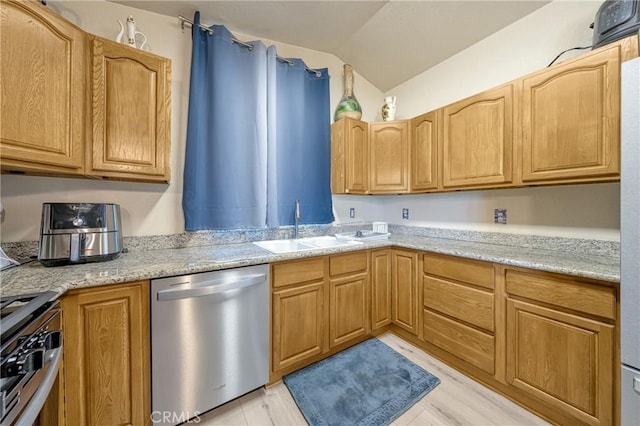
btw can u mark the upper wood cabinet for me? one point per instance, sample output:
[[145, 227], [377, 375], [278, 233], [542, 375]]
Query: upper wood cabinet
[[558, 125], [131, 113], [389, 157], [42, 69], [349, 157], [424, 152], [74, 104], [571, 119], [106, 355], [477, 140]]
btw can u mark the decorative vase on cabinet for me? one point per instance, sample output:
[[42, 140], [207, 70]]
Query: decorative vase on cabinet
[[389, 108], [348, 105]]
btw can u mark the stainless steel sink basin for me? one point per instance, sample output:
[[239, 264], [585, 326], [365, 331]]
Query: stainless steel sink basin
[[302, 244]]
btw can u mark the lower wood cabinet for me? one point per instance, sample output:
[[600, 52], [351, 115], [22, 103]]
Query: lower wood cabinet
[[318, 304], [348, 297], [404, 295], [298, 323], [459, 314], [380, 288], [547, 341], [298, 314], [106, 355], [561, 344]]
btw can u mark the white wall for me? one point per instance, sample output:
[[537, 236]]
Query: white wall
[[588, 211], [147, 209], [525, 46], [581, 211]]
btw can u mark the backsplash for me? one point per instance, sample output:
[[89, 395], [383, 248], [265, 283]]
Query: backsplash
[[575, 245], [25, 251]]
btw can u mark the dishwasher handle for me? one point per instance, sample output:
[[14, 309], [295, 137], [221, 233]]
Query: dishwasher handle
[[210, 288]]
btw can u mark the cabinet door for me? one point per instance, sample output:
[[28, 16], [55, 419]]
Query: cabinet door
[[424, 153], [389, 156], [564, 360], [131, 113], [349, 315], [404, 298], [357, 159], [298, 324], [43, 90], [338, 157], [381, 278], [477, 139], [106, 355], [571, 119]]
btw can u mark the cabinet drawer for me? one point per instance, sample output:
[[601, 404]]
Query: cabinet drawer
[[350, 262], [459, 301], [470, 271], [468, 344], [566, 292], [298, 271]]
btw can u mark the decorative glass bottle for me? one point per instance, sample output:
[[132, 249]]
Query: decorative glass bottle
[[348, 105]]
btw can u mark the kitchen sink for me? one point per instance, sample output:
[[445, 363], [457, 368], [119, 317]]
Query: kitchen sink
[[302, 244]]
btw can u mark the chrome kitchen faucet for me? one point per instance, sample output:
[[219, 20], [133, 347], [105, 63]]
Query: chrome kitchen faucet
[[296, 218]]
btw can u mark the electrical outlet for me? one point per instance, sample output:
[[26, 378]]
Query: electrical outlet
[[352, 213], [500, 216], [405, 213]]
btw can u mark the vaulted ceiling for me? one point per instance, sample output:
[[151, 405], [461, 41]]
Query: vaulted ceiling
[[387, 42]]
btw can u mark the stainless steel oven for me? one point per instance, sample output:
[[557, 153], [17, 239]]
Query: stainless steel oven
[[31, 347]]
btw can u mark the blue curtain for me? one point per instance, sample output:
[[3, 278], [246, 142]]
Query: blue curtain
[[225, 172], [258, 137], [299, 142]]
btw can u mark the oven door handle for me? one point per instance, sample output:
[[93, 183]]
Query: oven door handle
[[31, 412]]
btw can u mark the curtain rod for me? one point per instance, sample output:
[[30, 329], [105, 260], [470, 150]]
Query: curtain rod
[[249, 46]]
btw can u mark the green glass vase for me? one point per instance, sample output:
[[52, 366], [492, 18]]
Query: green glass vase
[[348, 105]]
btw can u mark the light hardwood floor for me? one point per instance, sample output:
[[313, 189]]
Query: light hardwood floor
[[457, 400]]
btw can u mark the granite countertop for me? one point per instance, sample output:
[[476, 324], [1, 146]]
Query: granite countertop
[[148, 264]]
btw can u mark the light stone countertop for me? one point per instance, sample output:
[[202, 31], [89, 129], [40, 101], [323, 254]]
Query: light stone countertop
[[149, 264]]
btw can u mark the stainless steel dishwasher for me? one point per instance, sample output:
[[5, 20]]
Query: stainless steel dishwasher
[[209, 340]]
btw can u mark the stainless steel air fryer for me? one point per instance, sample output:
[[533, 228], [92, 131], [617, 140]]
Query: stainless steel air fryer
[[79, 233]]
